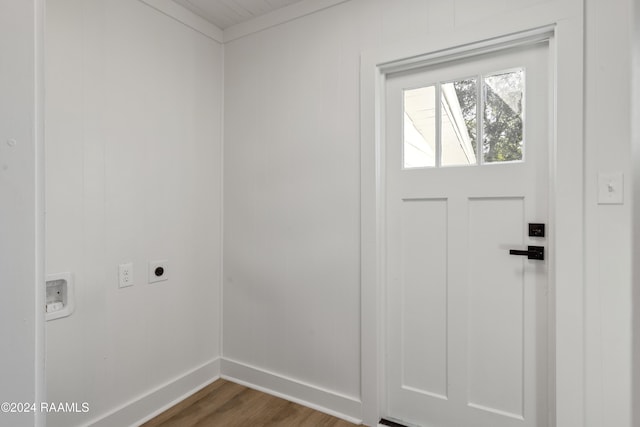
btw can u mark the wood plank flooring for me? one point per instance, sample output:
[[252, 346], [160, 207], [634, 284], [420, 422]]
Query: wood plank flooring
[[227, 404]]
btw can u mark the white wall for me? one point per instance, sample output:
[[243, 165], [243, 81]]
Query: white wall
[[608, 227], [133, 146], [21, 210], [291, 254], [291, 257], [635, 120]]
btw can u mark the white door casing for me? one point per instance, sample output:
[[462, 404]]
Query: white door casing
[[565, 259], [466, 326]]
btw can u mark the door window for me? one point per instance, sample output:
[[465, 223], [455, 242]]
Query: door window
[[485, 107]]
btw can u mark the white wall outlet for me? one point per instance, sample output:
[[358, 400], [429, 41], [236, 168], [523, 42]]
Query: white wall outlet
[[158, 271], [125, 275], [611, 188]]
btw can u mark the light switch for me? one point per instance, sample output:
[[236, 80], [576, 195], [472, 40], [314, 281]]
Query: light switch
[[611, 188]]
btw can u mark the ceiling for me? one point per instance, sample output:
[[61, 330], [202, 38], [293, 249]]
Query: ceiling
[[225, 13]]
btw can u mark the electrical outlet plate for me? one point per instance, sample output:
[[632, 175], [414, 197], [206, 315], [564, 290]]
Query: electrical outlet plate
[[158, 271], [125, 275], [60, 296]]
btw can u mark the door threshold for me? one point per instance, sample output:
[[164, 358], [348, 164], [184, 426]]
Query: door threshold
[[391, 422]]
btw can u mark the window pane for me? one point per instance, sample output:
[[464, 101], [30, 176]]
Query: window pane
[[459, 100], [502, 131], [419, 139]]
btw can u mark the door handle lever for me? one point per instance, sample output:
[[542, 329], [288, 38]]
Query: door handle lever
[[533, 252]]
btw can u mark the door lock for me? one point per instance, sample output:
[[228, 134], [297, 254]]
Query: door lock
[[533, 252], [536, 230]]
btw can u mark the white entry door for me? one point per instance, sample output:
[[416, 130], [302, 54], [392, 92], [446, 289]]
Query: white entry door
[[466, 172]]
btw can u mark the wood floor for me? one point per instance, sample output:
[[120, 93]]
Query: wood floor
[[227, 404]]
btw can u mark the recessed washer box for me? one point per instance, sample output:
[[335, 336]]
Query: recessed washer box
[[60, 296], [158, 271]]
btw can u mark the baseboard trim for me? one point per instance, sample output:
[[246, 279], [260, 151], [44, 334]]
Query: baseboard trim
[[153, 403], [335, 404]]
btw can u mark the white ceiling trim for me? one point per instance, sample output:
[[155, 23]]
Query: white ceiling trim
[[259, 23], [277, 17], [186, 17]]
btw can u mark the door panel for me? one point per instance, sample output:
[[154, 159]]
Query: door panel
[[466, 329], [495, 332], [424, 308]]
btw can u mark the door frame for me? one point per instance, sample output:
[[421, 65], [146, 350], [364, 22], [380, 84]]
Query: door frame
[[566, 202], [23, 128]]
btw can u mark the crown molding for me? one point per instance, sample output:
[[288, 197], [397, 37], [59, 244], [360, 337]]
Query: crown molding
[[277, 17], [186, 17]]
